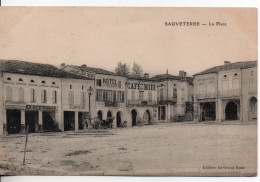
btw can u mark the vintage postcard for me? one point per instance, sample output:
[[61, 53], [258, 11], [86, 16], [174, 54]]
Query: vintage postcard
[[128, 91]]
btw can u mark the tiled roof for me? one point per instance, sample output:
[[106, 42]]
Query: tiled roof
[[96, 70], [140, 78], [231, 66], [164, 77], [29, 68]]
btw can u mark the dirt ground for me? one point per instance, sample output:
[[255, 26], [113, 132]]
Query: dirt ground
[[185, 149]]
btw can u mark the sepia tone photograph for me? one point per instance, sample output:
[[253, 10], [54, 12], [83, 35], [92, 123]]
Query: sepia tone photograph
[[113, 91]]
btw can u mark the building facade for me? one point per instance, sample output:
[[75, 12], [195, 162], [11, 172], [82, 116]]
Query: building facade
[[142, 100], [227, 92], [174, 97]]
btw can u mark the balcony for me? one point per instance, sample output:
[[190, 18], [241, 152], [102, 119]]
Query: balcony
[[167, 100], [206, 96], [111, 103], [230, 93], [142, 102]]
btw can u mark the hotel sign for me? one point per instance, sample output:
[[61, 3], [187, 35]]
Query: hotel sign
[[41, 108], [109, 82]]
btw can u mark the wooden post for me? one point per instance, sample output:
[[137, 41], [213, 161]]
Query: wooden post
[[26, 140]]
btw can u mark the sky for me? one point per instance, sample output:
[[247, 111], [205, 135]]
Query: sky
[[101, 37]]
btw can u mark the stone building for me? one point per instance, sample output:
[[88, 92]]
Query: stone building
[[226, 92], [142, 99], [109, 93], [31, 96], [174, 97]]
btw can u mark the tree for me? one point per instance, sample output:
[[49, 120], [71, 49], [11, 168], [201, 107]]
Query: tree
[[137, 70], [122, 69]]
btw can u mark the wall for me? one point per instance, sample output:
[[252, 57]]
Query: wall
[[249, 90]]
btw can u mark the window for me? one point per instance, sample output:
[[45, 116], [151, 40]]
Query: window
[[141, 95], [174, 84], [235, 74], [174, 93], [53, 83], [252, 73], [70, 86], [99, 95], [119, 84], [235, 83], [21, 95], [44, 96], [9, 78], [83, 98], [32, 95], [133, 95], [182, 95], [121, 96], [98, 82], [150, 95], [32, 81], [71, 97], [225, 76], [8, 93], [161, 113], [82, 88], [43, 82], [54, 96], [20, 80]]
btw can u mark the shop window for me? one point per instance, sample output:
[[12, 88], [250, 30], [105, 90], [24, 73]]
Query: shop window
[[71, 97], [8, 93], [21, 95], [98, 82], [54, 96], [44, 96], [32, 95]]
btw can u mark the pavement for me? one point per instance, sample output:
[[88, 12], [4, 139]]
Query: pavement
[[165, 149]]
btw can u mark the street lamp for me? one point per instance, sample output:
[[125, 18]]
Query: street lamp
[[90, 92]]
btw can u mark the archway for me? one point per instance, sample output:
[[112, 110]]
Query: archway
[[134, 117], [13, 121], [48, 121], [118, 119], [109, 114], [252, 109], [147, 117], [208, 112], [100, 115], [231, 111], [31, 121]]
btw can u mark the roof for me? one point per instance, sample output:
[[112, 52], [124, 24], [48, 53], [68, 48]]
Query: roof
[[164, 77], [236, 65], [29, 68], [140, 78], [96, 70]]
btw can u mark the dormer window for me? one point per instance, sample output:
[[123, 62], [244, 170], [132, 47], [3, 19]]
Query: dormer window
[[9, 78], [43, 82], [32, 81], [20, 80]]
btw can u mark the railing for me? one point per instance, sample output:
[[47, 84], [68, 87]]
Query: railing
[[162, 100], [141, 102], [229, 93], [206, 96], [111, 103]]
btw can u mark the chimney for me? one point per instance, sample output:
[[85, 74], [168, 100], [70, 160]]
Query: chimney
[[83, 67], [182, 73], [167, 72], [62, 65], [226, 63], [146, 75]]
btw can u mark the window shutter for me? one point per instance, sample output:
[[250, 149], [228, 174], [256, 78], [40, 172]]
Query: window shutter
[[123, 96], [42, 96], [53, 96]]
